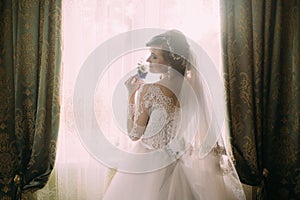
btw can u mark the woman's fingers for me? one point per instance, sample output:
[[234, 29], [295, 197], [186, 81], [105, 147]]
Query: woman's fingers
[[131, 80], [133, 84], [134, 80]]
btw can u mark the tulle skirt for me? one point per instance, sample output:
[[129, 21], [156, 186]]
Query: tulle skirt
[[189, 178]]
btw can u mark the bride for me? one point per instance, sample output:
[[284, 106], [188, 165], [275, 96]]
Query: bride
[[173, 117]]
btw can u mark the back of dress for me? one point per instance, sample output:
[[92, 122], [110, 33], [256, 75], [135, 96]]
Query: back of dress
[[188, 177], [164, 115]]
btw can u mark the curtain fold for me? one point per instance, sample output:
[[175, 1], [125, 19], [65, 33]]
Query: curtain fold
[[30, 58], [261, 54]]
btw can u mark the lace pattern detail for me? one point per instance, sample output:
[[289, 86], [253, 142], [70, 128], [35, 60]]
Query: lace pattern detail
[[162, 115], [226, 166], [136, 131], [131, 109], [162, 125], [156, 122]]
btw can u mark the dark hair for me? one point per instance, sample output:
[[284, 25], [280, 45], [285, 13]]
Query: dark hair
[[175, 48]]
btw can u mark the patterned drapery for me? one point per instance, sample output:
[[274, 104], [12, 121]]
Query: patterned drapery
[[30, 57], [261, 53]]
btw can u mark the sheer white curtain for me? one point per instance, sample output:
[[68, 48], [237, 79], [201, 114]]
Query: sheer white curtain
[[86, 25]]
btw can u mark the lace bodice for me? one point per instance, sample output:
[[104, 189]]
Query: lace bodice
[[156, 105]]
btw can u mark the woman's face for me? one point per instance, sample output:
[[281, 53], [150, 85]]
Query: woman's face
[[157, 62]]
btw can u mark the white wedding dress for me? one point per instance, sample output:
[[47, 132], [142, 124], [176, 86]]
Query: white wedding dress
[[189, 177]]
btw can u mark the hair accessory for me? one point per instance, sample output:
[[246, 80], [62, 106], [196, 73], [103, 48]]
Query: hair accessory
[[172, 54]]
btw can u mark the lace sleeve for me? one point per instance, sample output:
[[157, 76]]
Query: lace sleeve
[[138, 115], [163, 117]]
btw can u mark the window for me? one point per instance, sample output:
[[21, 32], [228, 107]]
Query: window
[[86, 25]]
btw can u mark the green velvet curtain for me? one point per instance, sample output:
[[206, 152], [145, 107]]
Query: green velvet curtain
[[261, 54], [30, 59]]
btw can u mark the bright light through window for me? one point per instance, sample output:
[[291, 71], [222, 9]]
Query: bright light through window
[[86, 25]]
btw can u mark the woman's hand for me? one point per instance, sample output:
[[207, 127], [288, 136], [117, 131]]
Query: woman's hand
[[133, 84]]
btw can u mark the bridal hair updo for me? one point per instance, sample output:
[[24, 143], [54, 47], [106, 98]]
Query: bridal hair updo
[[175, 49]]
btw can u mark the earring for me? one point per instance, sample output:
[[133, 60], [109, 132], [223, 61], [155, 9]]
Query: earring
[[188, 74], [169, 72]]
